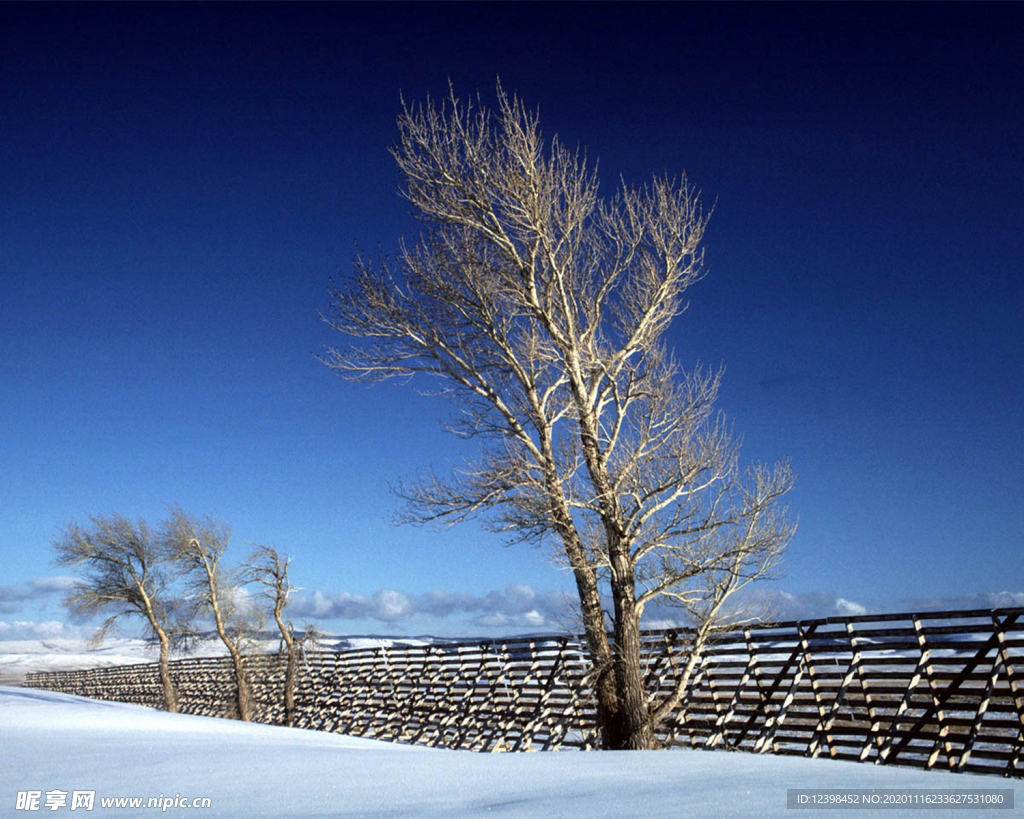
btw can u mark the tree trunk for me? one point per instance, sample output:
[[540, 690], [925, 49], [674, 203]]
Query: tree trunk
[[601, 658], [590, 608], [634, 719], [170, 692], [622, 712], [243, 698], [290, 679], [292, 669], [627, 723]]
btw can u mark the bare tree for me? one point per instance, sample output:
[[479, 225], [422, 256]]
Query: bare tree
[[540, 309], [198, 546], [270, 569], [123, 575]]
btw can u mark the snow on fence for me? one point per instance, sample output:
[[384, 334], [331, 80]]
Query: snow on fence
[[931, 690]]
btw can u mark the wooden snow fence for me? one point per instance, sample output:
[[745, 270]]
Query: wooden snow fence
[[932, 690], [514, 695], [938, 690]]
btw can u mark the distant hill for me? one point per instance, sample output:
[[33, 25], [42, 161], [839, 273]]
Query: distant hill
[[20, 657]]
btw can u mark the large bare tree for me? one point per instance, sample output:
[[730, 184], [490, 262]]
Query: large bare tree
[[198, 546], [267, 567], [540, 309], [123, 574]]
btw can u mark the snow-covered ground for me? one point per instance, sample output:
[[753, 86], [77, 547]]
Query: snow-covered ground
[[52, 742]]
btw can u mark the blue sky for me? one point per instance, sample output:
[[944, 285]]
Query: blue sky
[[181, 182]]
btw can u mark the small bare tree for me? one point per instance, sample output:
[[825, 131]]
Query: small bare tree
[[270, 569], [541, 310], [123, 572], [198, 546]]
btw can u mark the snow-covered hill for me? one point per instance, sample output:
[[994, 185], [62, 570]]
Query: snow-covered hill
[[20, 657]]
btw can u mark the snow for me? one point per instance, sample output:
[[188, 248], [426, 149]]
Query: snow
[[20, 657], [57, 741]]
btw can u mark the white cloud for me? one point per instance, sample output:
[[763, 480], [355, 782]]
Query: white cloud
[[532, 619], [56, 583], [780, 605], [26, 630], [321, 606], [848, 608], [517, 605], [390, 605]]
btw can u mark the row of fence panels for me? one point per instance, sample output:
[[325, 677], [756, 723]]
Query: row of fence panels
[[934, 690]]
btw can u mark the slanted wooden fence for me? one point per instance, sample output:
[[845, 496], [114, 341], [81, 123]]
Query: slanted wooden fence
[[512, 695], [933, 690]]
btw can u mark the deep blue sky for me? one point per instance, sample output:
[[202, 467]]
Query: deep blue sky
[[180, 182]]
